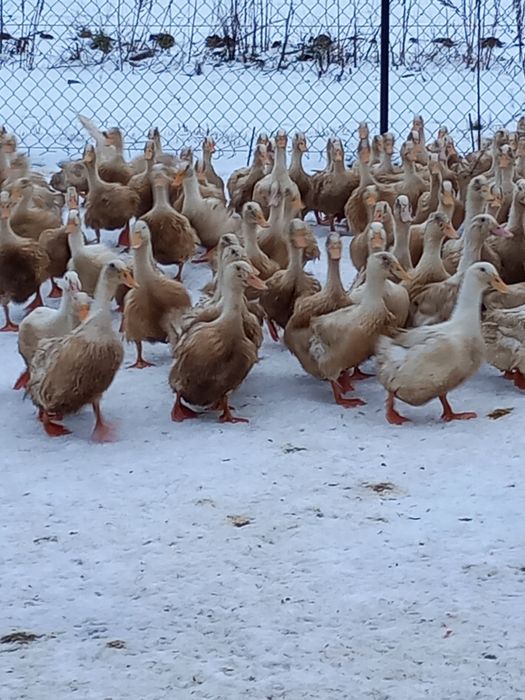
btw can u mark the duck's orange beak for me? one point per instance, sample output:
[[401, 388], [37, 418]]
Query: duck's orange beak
[[499, 285], [83, 312], [128, 279], [450, 231], [136, 241], [256, 282], [262, 221]]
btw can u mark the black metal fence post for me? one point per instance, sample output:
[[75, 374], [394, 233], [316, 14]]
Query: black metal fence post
[[385, 65]]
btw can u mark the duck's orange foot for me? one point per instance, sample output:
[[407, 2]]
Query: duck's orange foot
[[123, 239], [104, 432], [22, 380], [341, 400], [53, 429], [345, 382], [508, 374], [208, 255], [35, 304], [392, 416], [519, 379], [141, 364], [56, 292], [449, 415], [8, 327], [358, 374], [272, 329], [180, 412], [226, 415]]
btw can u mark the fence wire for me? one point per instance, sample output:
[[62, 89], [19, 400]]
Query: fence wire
[[235, 67]]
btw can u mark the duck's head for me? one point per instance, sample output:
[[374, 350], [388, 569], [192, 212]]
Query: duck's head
[[439, 226], [89, 154], [520, 125], [433, 164], [21, 187], [334, 246], [442, 132], [487, 276], [504, 156], [338, 153], [241, 274], [299, 142], [298, 231], [184, 171], [447, 193], [381, 212], [117, 272], [9, 143], [281, 138], [403, 209], [262, 156], [519, 190], [228, 239], [418, 122], [140, 235], [71, 282], [186, 154], [388, 143], [370, 195], [81, 305], [252, 214], [376, 236], [377, 144], [409, 151], [149, 150], [5, 205], [73, 221], [501, 137], [72, 198], [263, 139], [208, 145], [363, 131], [114, 137], [479, 185], [495, 199], [487, 225], [385, 264]]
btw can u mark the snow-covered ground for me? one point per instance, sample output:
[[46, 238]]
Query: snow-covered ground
[[376, 562]]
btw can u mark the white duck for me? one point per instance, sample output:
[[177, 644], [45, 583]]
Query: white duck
[[424, 363]]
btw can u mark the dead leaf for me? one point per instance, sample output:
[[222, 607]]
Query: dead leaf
[[239, 520], [289, 449], [47, 538], [19, 638], [116, 644], [499, 413], [381, 487]]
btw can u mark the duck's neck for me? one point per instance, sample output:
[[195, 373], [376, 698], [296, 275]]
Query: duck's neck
[[474, 206], [431, 257], [93, 177], [447, 209], [339, 167], [191, 188], [142, 268], [65, 308], [516, 216], [520, 165], [232, 305], [249, 231], [466, 314], [76, 242], [386, 163], [374, 288], [505, 178], [279, 163], [334, 286], [297, 160], [160, 196], [365, 175], [7, 235], [471, 251], [401, 249], [295, 262], [104, 293]]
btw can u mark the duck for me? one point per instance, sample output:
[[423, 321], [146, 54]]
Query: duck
[[346, 337], [208, 216], [402, 222], [436, 301], [357, 208], [173, 238], [111, 166], [296, 171], [45, 322], [332, 189], [504, 178], [252, 219], [385, 170], [141, 182], [27, 220], [429, 201], [208, 149], [109, 205], [154, 302], [86, 260], [241, 182], [372, 240], [446, 204], [298, 332], [504, 337], [511, 251], [284, 287], [271, 187], [213, 358], [420, 364], [71, 173], [23, 266], [55, 242], [70, 372]]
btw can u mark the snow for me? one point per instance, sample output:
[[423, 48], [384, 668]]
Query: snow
[[378, 562]]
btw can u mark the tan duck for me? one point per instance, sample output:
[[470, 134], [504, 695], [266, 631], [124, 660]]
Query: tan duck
[[346, 337], [503, 333], [111, 165], [208, 216], [373, 240], [504, 178], [242, 181], [402, 222], [141, 182], [56, 244], [385, 170], [446, 204], [155, 302], [173, 238], [286, 286], [428, 362], [273, 238], [27, 220], [332, 188], [252, 219], [208, 149], [109, 205], [71, 174], [70, 372], [428, 202], [271, 188], [45, 322], [436, 301], [214, 357], [357, 207], [511, 251], [296, 171], [23, 266], [298, 332], [86, 260]]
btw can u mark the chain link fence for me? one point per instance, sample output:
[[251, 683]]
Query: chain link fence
[[233, 68]]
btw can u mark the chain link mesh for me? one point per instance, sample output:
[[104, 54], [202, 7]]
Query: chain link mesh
[[235, 67]]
